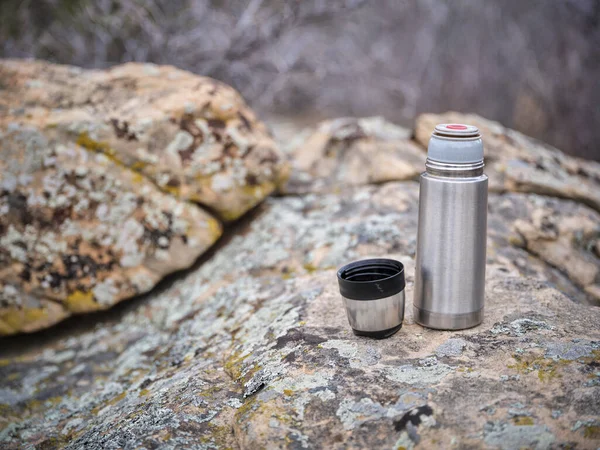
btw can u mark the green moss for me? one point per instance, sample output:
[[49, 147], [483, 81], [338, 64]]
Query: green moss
[[288, 392]]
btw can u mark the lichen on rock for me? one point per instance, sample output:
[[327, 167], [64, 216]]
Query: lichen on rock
[[347, 152], [252, 349], [81, 233], [193, 136]]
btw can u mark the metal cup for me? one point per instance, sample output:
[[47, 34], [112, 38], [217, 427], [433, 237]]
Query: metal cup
[[373, 293]]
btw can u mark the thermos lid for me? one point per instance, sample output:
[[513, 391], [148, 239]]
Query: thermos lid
[[371, 279], [455, 143]]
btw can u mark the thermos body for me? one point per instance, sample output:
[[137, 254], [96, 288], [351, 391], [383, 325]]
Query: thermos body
[[451, 241]]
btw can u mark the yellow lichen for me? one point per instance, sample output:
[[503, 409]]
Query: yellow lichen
[[138, 165], [14, 320], [250, 196], [137, 178], [80, 301], [288, 392], [215, 228], [591, 432], [173, 190], [594, 359], [112, 401], [515, 240], [84, 140], [522, 420], [13, 376], [5, 409], [310, 268], [546, 368], [233, 365], [88, 143]]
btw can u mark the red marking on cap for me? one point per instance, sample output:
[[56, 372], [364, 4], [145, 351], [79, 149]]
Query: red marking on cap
[[456, 127]]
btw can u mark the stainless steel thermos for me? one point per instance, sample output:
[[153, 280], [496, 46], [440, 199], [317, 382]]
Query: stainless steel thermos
[[450, 268]]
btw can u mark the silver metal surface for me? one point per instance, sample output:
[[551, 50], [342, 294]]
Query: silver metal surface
[[375, 315], [447, 321], [451, 246]]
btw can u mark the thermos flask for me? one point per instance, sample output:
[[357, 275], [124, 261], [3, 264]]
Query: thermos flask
[[450, 268]]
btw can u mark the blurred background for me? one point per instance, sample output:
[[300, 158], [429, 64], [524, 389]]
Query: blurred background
[[532, 65]]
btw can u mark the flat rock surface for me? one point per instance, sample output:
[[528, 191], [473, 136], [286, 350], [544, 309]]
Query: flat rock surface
[[253, 350]]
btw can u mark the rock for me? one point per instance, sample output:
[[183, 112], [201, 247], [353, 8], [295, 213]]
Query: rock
[[515, 162], [192, 136], [80, 233], [347, 152], [253, 349], [83, 156], [564, 238], [560, 233]]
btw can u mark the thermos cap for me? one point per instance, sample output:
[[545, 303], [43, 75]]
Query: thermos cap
[[371, 279], [455, 143]]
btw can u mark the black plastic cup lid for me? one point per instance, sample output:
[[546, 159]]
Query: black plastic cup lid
[[371, 279]]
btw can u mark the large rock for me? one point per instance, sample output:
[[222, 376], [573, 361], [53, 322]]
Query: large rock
[[193, 136], [348, 152], [85, 156], [80, 233], [253, 349]]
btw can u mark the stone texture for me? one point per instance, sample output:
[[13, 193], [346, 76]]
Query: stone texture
[[80, 233], [253, 349], [191, 135], [515, 162], [346, 152], [84, 153], [566, 238]]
